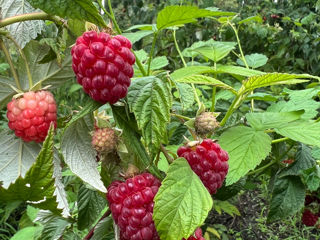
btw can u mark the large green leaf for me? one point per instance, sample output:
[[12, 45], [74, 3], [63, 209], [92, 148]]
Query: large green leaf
[[78, 153], [269, 79], [265, 120], [246, 148], [16, 157], [216, 50], [189, 71], [287, 198], [150, 100], [201, 79], [182, 202], [178, 15], [236, 70], [23, 31], [78, 9], [309, 106], [27, 233], [136, 36], [303, 161], [254, 60], [6, 92], [38, 184], [306, 132], [49, 73], [90, 204]]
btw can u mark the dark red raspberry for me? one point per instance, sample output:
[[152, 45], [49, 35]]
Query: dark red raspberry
[[30, 115], [208, 161], [197, 235], [308, 218], [103, 65], [131, 204]]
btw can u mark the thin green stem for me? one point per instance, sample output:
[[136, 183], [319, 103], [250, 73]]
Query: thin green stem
[[214, 90], [113, 17], [140, 66], [239, 44], [30, 16], [262, 168], [24, 59], [280, 140], [166, 154], [185, 65], [105, 10], [178, 49], [180, 116], [13, 70], [155, 35], [230, 111]]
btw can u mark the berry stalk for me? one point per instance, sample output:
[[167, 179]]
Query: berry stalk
[[13, 70]]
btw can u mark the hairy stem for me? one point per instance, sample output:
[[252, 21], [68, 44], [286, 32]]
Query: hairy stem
[[214, 89], [166, 154], [140, 66], [28, 17], [185, 65], [91, 232], [280, 140], [113, 17], [13, 70], [230, 111], [180, 116]]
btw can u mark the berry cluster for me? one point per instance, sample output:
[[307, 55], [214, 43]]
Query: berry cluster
[[30, 115], [309, 218], [208, 161], [103, 65], [131, 204], [104, 140]]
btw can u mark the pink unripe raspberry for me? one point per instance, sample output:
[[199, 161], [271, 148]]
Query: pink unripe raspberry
[[30, 116], [104, 140], [103, 65], [208, 161]]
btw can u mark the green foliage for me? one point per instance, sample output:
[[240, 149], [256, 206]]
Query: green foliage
[[287, 197], [78, 9], [181, 203], [246, 147], [150, 100]]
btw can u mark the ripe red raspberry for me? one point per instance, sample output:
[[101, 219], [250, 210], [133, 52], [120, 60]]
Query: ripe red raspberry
[[308, 218], [131, 204], [208, 161], [197, 235], [30, 115], [103, 65], [104, 140]]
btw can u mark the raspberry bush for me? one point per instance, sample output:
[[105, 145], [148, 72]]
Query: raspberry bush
[[141, 133]]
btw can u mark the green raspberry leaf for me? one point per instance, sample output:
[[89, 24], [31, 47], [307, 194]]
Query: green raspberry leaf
[[182, 202], [287, 198], [150, 100], [38, 184], [178, 15], [246, 148], [75, 9]]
